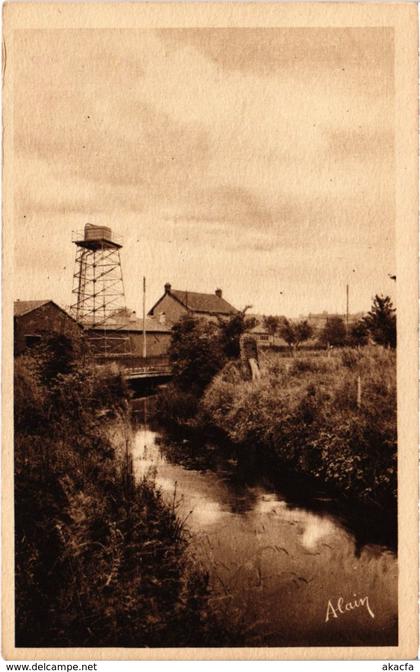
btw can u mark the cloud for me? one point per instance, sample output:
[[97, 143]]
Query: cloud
[[268, 51], [103, 151], [219, 153], [361, 145]]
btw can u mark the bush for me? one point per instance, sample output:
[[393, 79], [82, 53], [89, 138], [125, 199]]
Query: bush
[[312, 365], [175, 405], [231, 330], [350, 357], [196, 353], [111, 389]]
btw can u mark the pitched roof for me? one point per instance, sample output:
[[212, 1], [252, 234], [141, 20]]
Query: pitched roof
[[23, 307], [203, 303], [260, 327], [199, 302], [152, 326]]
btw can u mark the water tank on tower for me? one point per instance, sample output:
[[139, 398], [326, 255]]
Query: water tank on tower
[[98, 290], [94, 232]]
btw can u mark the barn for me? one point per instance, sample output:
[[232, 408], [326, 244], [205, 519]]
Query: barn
[[36, 320], [126, 337]]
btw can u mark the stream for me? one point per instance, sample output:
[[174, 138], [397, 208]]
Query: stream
[[283, 564]]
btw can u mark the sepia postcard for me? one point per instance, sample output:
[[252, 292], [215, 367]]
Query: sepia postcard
[[210, 318]]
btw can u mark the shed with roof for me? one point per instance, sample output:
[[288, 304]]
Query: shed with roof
[[126, 333], [37, 320]]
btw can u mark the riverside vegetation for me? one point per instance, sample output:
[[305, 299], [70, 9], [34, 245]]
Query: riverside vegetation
[[100, 560], [304, 414], [331, 416]]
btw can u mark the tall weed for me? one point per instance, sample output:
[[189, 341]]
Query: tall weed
[[332, 417]]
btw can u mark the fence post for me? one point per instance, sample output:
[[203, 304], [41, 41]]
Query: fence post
[[359, 392]]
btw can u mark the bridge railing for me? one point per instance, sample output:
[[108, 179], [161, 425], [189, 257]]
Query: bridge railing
[[153, 370]]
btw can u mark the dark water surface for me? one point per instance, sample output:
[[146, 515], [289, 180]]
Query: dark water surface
[[274, 564]]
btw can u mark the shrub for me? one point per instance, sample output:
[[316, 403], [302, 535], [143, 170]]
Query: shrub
[[350, 357], [176, 406], [231, 330], [195, 352]]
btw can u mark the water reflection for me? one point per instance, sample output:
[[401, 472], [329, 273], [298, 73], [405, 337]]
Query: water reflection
[[274, 565]]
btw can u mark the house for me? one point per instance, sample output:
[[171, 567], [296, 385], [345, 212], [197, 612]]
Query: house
[[37, 320], [175, 303], [125, 336], [259, 331], [262, 335], [319, 320]]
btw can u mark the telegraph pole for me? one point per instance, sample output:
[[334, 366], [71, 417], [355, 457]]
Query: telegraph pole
[[144, 319], [347, 309]]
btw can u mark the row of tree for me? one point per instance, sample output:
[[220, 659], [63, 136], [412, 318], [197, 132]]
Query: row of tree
[[199, 349], [378, 326]]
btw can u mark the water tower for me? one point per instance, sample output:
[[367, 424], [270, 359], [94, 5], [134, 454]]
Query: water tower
[[98, 290]]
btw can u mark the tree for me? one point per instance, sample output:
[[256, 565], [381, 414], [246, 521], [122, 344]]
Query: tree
[[295, 333], [232, 329], [359, 334], [196, 353], [304, 332], [58, 354], [334, 332], [272, 324], [287, 332], [381, 321]]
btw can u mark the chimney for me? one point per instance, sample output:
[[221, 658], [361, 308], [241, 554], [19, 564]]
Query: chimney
[[218, 293], [167, 287], [133, 316]]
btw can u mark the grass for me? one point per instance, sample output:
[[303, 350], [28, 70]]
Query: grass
[[100, 559], [304, 413]]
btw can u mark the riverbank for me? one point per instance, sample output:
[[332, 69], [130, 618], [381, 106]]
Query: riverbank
[[332, 418], [101, 560]]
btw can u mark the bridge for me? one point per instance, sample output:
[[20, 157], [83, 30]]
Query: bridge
[[152, 372], [138, 370]]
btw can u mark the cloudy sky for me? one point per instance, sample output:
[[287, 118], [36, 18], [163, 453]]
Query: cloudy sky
[[256, 160]]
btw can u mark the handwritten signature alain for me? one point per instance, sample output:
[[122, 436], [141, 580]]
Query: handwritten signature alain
[[342, 607]]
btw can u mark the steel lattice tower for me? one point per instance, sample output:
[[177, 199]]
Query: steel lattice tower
[[98, 290]]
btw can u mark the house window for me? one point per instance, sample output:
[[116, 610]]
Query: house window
[[32, 340]]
